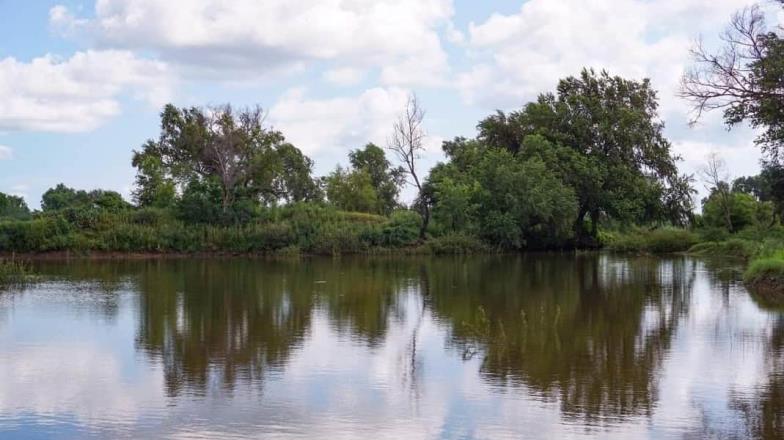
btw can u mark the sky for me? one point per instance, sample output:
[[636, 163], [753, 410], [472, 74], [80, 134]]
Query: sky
[[82, 83]]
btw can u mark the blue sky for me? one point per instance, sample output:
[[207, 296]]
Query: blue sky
[[81, 82]]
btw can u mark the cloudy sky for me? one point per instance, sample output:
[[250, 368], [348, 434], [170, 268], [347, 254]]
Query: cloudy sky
[[81, 82]]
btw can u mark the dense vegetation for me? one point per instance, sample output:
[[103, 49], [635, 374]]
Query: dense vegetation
[[548, 176], [584, 166]]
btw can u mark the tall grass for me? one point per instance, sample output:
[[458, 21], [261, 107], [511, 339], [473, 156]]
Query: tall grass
[[657, 241], [13, 271]]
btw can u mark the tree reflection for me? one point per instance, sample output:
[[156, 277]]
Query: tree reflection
[[221, 321], [763, 410], [590, 331]]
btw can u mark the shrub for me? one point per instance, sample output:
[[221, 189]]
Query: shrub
[[664, 240], [452, 244]]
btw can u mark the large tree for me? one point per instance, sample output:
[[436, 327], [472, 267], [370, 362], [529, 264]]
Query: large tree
[[744, 78], [13, 207], [603, 136], [509, 200], [220, 146], [386, 180]]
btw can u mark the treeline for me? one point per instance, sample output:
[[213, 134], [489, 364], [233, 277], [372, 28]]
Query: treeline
[[220, 179], [589, 157]]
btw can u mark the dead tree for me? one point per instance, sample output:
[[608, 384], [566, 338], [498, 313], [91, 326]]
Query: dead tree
[[407, 143], [716, 178]]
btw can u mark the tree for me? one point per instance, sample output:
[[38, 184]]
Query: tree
[[744, 79], [13, 207], [604, 139], [511, 201], [294, 181], [407, 143], [716, 177], [385, 179], [63, 197], [352, 190], [153, 187], [249, 162]]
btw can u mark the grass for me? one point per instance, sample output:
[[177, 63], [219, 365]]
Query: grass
[[734, 247], [13, 271], [655, 241]]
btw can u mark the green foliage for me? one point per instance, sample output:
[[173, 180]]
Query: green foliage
[[352, 190], [385, 179], [510, 201], [734, 247], [62, 197], [661, 240], [200, 150], [602, 136], [745, 211], [13, 207], [765, 276], [456, 244]]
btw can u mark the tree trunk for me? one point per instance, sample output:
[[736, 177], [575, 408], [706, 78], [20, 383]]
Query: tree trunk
[[425, 212]]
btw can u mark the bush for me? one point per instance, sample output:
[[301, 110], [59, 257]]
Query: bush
[[664, 240], [455, 244], [734, 247]]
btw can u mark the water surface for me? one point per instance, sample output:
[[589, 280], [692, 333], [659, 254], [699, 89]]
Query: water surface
[[548, 346]]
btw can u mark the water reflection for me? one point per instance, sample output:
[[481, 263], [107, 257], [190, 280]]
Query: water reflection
[[588, 332], [493, 347]]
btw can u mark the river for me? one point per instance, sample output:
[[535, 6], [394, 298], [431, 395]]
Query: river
[[533, 346]]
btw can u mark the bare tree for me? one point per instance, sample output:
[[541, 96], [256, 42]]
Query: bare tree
[[407, 143], [716, 178], [725, 79]]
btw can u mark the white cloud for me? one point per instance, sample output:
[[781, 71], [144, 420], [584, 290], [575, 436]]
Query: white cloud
[[344, 76], [6, 152], [520, 55], [78, 93], [341, 123], [251, 37]]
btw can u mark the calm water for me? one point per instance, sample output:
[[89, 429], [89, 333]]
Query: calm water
[[592, 346]]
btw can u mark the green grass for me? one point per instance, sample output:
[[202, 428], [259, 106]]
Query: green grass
[[734, 247], [656, 241], [13, 271]]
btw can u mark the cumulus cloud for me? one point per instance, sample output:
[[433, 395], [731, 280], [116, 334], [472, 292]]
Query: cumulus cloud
[[77, 93], [6, 152], [519, 55], [340, 123], [252, 37], [344, 76]]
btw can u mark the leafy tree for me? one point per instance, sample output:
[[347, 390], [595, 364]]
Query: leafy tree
[[743, 79], [385, 179], [512, 201], [13, 207], [744, 211], [605, 140], [233, 149], [352, 190], [294, 181], [767, 186], [153, 187], [61, 197]]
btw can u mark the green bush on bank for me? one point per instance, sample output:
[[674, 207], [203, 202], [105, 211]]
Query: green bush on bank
[[661, 240]]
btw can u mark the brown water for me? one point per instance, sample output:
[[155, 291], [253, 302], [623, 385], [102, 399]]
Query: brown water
[[591, 346]]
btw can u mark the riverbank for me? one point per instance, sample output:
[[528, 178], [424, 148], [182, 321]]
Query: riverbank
[[761, 251]]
